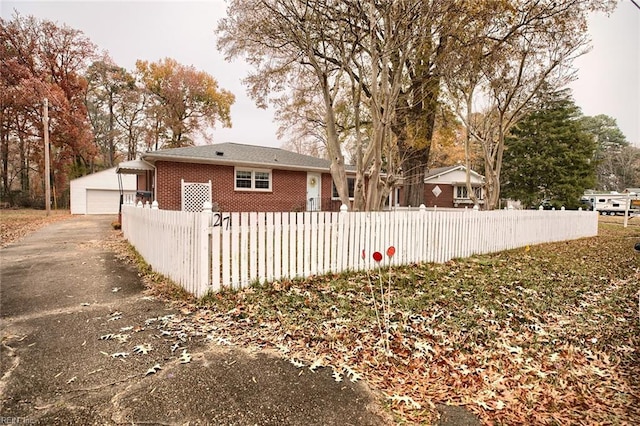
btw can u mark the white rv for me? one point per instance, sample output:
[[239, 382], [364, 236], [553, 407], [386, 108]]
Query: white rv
[[613, 203]]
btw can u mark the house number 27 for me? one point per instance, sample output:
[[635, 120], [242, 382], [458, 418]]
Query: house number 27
[[219, 220]]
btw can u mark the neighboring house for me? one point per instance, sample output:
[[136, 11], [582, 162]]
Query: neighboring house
[[237, 177], [446, 187], [99, 193]]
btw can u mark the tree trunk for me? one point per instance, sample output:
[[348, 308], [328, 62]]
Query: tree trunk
[[24, 164], [413, 169], [4, 152], [338, 172], [414, 153]]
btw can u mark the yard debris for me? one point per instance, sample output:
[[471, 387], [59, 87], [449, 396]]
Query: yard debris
[[153, 370], [185, 357], [351, 374], [120, 355], [223, 342], [122, 338], [517, 338], [16, 224], [407, 400], [296, 362], [142, 349], [319, 362]]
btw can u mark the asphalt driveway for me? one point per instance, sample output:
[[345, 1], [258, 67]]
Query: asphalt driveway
[[82, 344]]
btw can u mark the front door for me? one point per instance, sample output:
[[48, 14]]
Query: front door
[[313, 192]]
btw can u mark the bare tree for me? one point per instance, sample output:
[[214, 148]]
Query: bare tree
[[355, 52], [284, 39], [503, 65]]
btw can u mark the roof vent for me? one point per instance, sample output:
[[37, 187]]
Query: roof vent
[[219, 153]]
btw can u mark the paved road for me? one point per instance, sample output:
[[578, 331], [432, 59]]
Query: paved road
[[63, 293]]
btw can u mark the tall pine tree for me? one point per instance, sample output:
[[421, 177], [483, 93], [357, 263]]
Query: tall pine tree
[[548, 155]]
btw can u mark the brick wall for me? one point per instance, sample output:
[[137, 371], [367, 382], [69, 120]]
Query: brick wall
[[289, 188], [445, 199]]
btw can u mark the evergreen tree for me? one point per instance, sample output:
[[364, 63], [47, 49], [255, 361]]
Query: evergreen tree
[[611, 154], [548, 155]]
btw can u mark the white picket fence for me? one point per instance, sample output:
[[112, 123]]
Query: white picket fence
[[206, 251]]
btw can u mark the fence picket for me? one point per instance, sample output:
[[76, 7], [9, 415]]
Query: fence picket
[[244, 253], [313, 251], [262, 252], [203, 254]]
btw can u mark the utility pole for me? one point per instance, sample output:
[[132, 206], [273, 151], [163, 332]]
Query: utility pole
[[47, 171]]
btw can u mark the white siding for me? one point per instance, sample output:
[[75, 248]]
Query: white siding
[[453, 177], [78, 197], [105, 201], [102, 186]]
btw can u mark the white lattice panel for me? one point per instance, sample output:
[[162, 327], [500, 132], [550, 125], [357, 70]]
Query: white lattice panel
[[194, 194]]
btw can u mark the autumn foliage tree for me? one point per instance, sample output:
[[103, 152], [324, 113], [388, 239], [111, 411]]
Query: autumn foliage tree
[[99, 113], [183, 100], [41, 59], [353, 54], [388, 61], [505, 62], [114, 105]]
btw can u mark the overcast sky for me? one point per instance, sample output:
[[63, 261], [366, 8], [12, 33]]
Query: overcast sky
[[609, 76]]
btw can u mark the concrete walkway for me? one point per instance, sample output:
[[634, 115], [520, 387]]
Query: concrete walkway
[[81, 344]]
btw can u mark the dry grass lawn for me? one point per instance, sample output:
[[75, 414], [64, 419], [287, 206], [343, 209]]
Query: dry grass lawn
[[16, 223], [548, 334]]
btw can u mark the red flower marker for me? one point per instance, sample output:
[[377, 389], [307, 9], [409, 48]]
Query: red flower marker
[[377, 256], [391, 251]]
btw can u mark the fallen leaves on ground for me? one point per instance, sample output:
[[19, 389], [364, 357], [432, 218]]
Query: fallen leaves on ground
[[16, 224], [544, 335]]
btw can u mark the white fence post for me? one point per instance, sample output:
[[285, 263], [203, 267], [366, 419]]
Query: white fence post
[[341, 252], [205, 251], [204, 277]]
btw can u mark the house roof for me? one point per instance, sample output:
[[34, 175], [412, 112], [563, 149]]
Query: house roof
[[134, 167], [104, 179], [236, 154], [438, 172]]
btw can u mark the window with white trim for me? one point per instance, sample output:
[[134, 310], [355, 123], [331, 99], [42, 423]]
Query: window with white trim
[[252, 180], [351, 184], [462, 193]]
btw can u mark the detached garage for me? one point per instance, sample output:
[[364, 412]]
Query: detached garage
[[99, 193]]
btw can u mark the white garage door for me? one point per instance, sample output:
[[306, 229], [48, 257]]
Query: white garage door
[[103, 201]]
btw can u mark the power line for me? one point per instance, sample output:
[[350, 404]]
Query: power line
[[635, 4]]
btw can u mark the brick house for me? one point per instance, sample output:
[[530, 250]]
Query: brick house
[[237, 177], [446, 187]]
